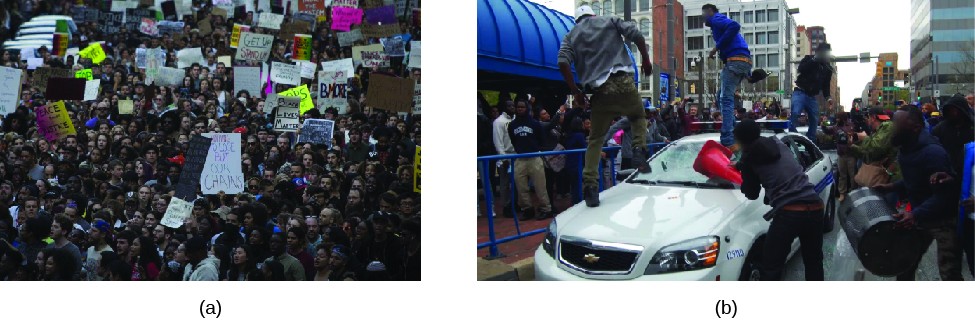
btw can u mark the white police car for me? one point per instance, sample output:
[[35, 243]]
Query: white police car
[[672, 223]]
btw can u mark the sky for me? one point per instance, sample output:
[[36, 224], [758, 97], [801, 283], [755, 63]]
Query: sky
[[851, 27]]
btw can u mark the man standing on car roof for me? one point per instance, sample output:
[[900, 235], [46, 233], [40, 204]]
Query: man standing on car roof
[[814, 77], [797, 210], [604, 67]]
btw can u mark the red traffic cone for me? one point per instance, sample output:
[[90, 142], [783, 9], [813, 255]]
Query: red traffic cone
[[713, 162]]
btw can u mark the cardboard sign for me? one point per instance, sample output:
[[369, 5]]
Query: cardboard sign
[[53, 121], [176, 213], [125, 106], [302, 91], [270, 103], [345, 65], [307, 69], [235, 35], [222, 171], [333, 90], [94, 52], [195, 161], [270, 20], [416, 99], [414, 55], [370, 56], [343, 18], [285, 116], [416, 170], [83, 74], [39, 79], [290, 29], [347, 39], [247, 78], [10, 80], [285, 73], [345, 3], [65, 89], [148, 27], [317, 131], [380, 31], [206, 27], [394, 46], [187, 57], [218, 11], [301, 49], [254, 47], [91, 89], [384, 15], [171, 77], [390, 93]]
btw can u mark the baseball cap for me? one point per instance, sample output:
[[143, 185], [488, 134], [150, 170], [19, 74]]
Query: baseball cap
[[584, 11], [879, 113]]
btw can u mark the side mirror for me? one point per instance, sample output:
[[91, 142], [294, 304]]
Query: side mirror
[[623, 174]]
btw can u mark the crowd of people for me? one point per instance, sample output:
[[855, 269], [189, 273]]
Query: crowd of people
[[89, 206]]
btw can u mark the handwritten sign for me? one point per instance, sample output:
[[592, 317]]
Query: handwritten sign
[[416, 170], [91, 89], [195, 161], [301, 50], [53, 121], [39, 80], [270, 103], [333, 90], [33, 63], [286, 117], [344, 65], [235, 34], [94, 52], [394, 46], [414, 55], [416, 99], [187, 57], [317, 131], [247, 78], [343, 18], [311, 5], [10, 89], [380, 31], [390, 93], [384, 15], [110, 22], [176, 213], [285, 73], [254, 47], [226, 60], [349, 38], [370, 56], [170, 77], [222, 171], [270, 20], [302, 91], [125, 106], [307, 69], [83, 74]]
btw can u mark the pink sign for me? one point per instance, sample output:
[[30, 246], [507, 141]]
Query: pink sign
[[343, 18]]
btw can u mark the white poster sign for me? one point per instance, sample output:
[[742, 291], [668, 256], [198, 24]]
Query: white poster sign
[[176, 213], [285, 73], [333, 90], [187, 57], [254, 47], [91, 89], [340, 65], [10, 80], [222, 171], [247, 78]]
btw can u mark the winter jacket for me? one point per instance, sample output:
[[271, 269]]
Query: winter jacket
[[206, 270], [877, 147], [727, 38], [594, 46], [919, 161], [814, 77], [955, 133], [768, 163]]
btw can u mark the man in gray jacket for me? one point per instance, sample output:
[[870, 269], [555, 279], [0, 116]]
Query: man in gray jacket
[[597, 49]]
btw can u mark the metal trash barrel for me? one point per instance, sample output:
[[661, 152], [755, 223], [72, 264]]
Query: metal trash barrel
[[882, 248]]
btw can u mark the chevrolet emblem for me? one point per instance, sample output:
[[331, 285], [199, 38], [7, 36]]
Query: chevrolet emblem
[[591, 258]]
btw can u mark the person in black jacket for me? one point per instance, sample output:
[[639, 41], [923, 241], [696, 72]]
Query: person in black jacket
[[526, 137], [955, 130], [814, 77]]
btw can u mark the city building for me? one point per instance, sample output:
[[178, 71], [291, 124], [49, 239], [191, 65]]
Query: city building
[[817, 35], [802, 48], [888, 84], [668, 46], [942, 47], [641, 14]]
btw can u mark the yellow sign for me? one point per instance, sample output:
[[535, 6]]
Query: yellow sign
[[416, 170], [302, 92], [94, 52], [235, 35], [83, 74]]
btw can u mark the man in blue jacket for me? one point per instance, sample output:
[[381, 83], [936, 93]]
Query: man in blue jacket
[[737, 64], [526, 137]]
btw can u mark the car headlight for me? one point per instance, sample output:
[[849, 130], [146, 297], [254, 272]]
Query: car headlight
[[694, 254], [549, 243]]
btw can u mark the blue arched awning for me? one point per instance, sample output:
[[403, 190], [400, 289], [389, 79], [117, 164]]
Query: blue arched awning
[[521, 38]]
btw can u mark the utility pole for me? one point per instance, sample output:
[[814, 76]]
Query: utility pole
[[700, 77], [670, 46], [627, 7], [934, 88]]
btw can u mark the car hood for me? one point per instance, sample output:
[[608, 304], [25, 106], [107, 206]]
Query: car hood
[[651, 216]]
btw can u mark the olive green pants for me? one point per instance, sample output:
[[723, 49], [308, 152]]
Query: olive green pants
[[617, 97]]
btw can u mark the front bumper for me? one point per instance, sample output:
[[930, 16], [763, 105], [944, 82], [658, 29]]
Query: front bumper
[[548, 269]]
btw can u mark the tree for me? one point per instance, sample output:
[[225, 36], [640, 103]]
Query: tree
[[963, 71]]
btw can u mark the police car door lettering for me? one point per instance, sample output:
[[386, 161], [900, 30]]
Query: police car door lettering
[[735, 253]]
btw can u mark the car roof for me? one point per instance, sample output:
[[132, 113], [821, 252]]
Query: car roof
[[717, 136]]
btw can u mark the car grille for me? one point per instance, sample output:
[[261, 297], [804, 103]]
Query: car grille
[[611, 260]]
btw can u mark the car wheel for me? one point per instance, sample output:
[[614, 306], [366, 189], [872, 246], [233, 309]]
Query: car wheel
[[829, 217], [751, 270]]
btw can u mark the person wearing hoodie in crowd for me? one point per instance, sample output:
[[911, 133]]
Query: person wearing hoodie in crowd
[[955, 130], [934, 206], [202, 266], [797, 210]]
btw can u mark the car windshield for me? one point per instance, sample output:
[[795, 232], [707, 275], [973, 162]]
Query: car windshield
[[675, 165]]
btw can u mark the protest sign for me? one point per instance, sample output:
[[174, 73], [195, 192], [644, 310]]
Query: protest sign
[[301, 50], [414, 55], [394, 46], [370, 56], [247, 78], [110, 22], [170, 77], [285, 73], [133, 18], [270, 20], [349, 38], [65, 89], [302, 91], [91, 89], [317, 131], [345, 3], [176, 213], [333, 90], [120, 6], [53, 121], [235, 35], [92, 15], [125, 106], [83, 74], [140, 58], [170, 27], [416, 99], [94, 52], [307, 69], [311, 5], [39, 80], [78, 14], [416, 170], [195, 159], [222, 171], [290, 29], [33, 63], [384, 15], [340, 65], [155, 58], [380, 31], [61, 40], [187, 57], [226, 60], [390, 93], [218, 11], [270, 103], [343, 18], [184, 8], [148, 27], [254, 47], [169, 10], [286, 115], [10, 79], [205, 27]]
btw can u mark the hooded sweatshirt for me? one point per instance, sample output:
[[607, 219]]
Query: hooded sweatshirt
[[206, 270], [727, 37], [918, 161], [955, 133], [767, 162]]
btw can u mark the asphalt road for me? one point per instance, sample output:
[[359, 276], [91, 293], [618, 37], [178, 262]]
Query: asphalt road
[[841, 263]]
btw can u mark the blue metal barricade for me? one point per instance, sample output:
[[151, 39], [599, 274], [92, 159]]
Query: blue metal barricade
[[484, 168]]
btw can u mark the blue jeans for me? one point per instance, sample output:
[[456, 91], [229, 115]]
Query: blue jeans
[[731, 76], [804, 102]]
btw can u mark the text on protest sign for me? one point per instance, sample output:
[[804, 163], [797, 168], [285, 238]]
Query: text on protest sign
[[379, 31], [155, 59], [91, 89], [39, 80], [285, 73], [148, 27], [187, 57], [286, 115], [303, 93], [301, 49], [345, 3], [235, 35], [53, 121], [247, 78], [84, 74], [349, 38], [270, 20], [94, 52], [223, 171], [333, 90], [270, 102], [416, 99], [344, 65], [10, 79], [414, 55], [254, 47], [343, 18], [176, 213], [394, 46], [370, 56], [390, 93], [307, 69], [317, 131]]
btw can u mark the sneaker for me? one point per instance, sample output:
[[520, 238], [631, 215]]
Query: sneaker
[[758, 75], [591, 196], [544, 215], [640, 160]]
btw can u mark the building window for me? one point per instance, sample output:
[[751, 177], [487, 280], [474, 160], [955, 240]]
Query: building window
[[607, 8], [773, 37], [596, 8], [645, 27], [760, 61], [748, 17], [645, 83], [735, 16], [695, 43], [772, 83], [619, 6], [750, 38], [695, 22], [760, 16], [773, 15], [645, 5], [773, 60], [760, 38]]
